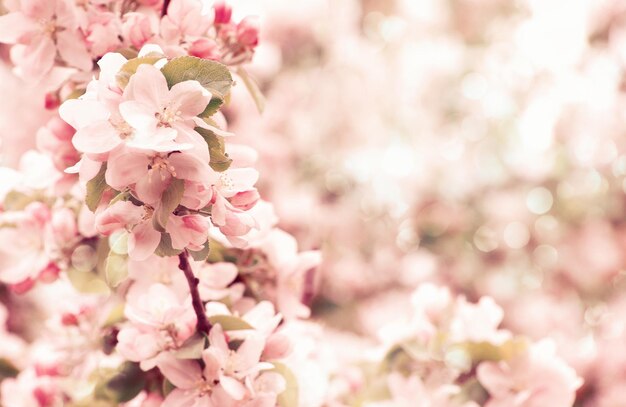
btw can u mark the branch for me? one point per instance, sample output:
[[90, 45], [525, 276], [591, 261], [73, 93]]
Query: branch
[[166, 4], [203, 326]]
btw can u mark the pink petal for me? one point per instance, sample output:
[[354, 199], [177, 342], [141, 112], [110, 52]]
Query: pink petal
[[36, 59], [189, 230], [72, 49], [138, 115], [189, 167], [118, 216], [184, 374], [181, 398], [250, 352], [217, 338], [80, 113], [190, 98], [147, 86], [97, 138], [150, 188], [233, 387], [38, 8], [126, 169], [493, 378], [143, 241], [14, 26]]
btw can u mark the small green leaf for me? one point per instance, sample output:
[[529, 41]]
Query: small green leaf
[[115, 316], [16, 201], [213, 76], [87, 282], [201, 255], [7, 369], [129, 68], [165, 249], [192, 348], [121, 385], [169, 201], [116, 269], [95, 188], [253, 88], [229, 322], [167, 388], [289, 397], [122, 196], [219, 160]]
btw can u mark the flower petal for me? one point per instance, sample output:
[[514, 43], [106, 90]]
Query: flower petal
[[190, 98], [143, 241], [14, 26], [126, 169], [97, 138]]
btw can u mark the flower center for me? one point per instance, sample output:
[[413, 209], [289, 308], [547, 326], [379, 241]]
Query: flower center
[[48, 27], [169, 115], [159, 163]]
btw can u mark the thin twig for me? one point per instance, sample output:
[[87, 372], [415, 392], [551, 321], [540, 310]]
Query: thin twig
[[203, 325], [166, 4]]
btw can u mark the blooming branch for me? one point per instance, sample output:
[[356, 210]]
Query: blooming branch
[[203, 325]]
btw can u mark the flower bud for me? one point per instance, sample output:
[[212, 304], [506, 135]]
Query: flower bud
[[204, 48], [223, 12], [245, 200], [248, 32]]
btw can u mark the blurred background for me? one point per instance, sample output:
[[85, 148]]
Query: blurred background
[[475, 143]]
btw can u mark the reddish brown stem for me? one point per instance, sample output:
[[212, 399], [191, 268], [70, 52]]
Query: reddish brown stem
[[203, 325], [166, 4]]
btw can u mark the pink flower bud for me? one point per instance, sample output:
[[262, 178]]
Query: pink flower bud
[[52, 101], [46, 370], [136, 29], [204, 48], [39, 212], [50, 273], [60, 128], [22, 287], [69, 319], [245, 200], [64, 226], [277, 346], [223, 12], [248, 32]]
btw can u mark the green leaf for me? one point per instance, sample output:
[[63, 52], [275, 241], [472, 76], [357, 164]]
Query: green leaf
[[229, 322], [201, 255], [253, 88], [165, 249], [167, 388], [129, 68], [213, 76], [121, 385], [95, 188], [87, 282], [16, 201], [115, 316], [7, 369], [169, 201], [192, 348], [289, 397], [219, 160], [116, 269]]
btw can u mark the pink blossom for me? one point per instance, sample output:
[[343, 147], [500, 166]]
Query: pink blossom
[[40, 30], [535, 379]]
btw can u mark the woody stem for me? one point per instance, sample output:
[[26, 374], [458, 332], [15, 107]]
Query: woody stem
[[166, 3], [203, 325]]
